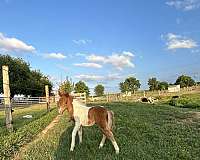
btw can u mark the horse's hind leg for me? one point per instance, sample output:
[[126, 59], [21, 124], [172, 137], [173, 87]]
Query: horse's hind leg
[[110, 136], [102, 141]]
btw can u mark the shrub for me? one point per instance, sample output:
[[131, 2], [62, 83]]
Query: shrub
[[192, 105], [180, 102], [158, 97], [184, 102]]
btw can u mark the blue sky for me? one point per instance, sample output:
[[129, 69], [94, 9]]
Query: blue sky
[[104, 41]]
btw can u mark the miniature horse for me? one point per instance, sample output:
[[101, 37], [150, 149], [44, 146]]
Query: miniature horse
[[87, 116]]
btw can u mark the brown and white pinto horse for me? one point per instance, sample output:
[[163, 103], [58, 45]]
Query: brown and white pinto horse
[[87, 116]]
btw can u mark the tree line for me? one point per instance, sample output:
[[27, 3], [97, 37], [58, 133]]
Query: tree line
[[131, 84], [23, 80], [80, 87]]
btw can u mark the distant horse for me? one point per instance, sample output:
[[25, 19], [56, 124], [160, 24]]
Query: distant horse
[[87, 116]]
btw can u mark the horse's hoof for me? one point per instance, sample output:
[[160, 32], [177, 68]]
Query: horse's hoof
[[117, 151], [71, 150], [100, 146]]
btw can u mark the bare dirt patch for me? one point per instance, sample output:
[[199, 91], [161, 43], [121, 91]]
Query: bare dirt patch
[[190, 117]]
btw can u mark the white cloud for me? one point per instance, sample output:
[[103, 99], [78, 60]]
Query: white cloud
[[62, 67], [113, 76], [95, 58], [117, 60], [80, 55], [82, 41], [177, 42], [14, 45], [86, 77], [120, 61], [55, 55], [185, 5], [92, 77], [91, 65], [127, 53]]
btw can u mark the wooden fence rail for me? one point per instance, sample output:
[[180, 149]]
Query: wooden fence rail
[[19, 101], [81, 96]]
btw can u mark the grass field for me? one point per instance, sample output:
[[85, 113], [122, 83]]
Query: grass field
[[18, 121], [143, 131], [24, 129]]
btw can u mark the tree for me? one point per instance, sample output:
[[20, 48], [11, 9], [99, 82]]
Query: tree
[[123, 87], [163, 85], [66, 87], [22, 79], [18, 74], [81, 87], [131, 84], [37, 84], [185, 81], [153, 84], [99, 90]]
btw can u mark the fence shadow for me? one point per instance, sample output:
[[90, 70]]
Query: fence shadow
[[62, 151]]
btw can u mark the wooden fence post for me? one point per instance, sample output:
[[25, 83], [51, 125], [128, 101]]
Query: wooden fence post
[[47, 97], [158, 92], [144, 94], [85, 98], [6, 91], [116, 97]]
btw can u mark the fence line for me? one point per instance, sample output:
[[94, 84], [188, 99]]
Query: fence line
[[109, 97], [81, 96], [19, 101]]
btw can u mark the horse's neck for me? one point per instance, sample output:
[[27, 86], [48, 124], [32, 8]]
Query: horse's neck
[[77, 104], [81, 111]]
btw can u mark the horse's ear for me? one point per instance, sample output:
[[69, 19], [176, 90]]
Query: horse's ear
[[67, 94]]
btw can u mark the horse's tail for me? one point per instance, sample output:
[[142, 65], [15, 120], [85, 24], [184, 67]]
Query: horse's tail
[[111, 120]]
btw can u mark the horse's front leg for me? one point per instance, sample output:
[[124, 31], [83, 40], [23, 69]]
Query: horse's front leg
[[80, 133], [74, 132]]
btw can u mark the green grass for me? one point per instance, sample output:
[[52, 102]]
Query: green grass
[[186, 101], [24, 129], [194, 97], [36, 111], [143, 131]]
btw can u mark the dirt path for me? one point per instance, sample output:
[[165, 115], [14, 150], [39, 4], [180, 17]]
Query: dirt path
[[43, 133]]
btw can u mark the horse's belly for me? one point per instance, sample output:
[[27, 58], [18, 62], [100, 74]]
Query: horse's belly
[[84, 121], [88, 124]]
